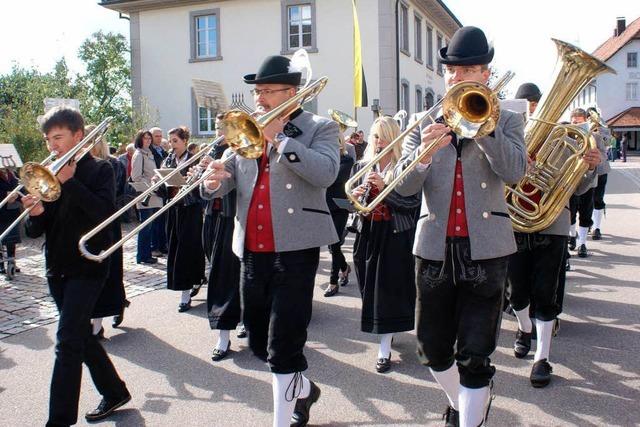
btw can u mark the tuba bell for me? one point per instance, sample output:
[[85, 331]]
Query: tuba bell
[[537, 200]]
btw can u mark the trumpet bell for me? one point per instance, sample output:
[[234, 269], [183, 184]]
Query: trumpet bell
[[243, 134], [39, 181], [471, 109]]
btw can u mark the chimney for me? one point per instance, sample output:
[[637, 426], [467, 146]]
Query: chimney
[[621, 25]]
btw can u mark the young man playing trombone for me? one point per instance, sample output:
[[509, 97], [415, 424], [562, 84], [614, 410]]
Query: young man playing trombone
[[87, 198], [463, 237], [282, 219]]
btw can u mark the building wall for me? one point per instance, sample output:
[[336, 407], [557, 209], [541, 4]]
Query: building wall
[[612, 97]]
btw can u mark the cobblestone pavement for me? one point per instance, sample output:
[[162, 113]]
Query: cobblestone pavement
[[25, 302]]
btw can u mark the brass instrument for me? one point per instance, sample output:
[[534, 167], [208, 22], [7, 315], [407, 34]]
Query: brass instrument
[[18, 189], [39, 179], [344, 120], [470, 109], [245, 137], [400, 117], [541, 195]]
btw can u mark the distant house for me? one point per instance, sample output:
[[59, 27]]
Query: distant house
[[174, 42], [618, 96]]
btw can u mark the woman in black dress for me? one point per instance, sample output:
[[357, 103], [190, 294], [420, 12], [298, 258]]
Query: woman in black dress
[[8, 214], [383, 248], [339, 267], [185, 260]]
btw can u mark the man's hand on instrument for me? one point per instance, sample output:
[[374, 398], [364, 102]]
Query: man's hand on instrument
[[204, 161], [213, 180], [375, 179], [272, 129], [28, 201], [592, 158], [13, 198], [429, 135], [67, 172]]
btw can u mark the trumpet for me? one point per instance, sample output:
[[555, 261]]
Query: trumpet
[[245, 138], [39, 179], [470, 109]]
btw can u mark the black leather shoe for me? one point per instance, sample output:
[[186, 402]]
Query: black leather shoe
[[100, 334], [117, 320], [196, 289], [567, 266], [300, 415], [218, 354], [541, 373], [383, 364], [522, 345], [582, 251], [451, 417], [105, 408], [332, 289], [343, 276], [596, 234], [184, 306], [151, 260], [242, 331], [572, 243]]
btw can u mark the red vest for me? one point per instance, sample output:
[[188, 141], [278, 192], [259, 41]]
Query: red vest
[[259, 228], [457, 225]]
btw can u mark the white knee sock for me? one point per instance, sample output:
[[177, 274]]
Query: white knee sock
[[572, 230], [597, 218], [97, 325], [384, 351], [473, 405], [449, 381], [223, 339], [544, 330], [284, 396], [524, 321], [185, 297], [582, 235]]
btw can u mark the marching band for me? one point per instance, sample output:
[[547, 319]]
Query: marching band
[[445, 222]]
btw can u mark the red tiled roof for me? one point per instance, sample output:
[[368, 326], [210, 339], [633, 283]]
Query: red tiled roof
[[628, 118], [609, 48]]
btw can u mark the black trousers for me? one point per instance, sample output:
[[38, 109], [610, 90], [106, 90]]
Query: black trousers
[[75, 299], [460, 300], [583, 205], [598, 192], [534, 272], [338, 261], [276, 292]]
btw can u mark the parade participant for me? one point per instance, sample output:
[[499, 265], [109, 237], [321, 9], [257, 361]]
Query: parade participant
[[75, 283], [186, 259], [382, 249], [463, 237], [603, 172], [340, 269], [282, 219], [531, 93], [8, 214], [223, 291]]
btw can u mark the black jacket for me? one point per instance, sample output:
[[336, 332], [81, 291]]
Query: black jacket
[[87, 199], [336, 190]]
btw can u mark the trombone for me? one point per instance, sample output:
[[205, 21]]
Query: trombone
[[245, 138], [18, 189], [470, 109], [39, 179]]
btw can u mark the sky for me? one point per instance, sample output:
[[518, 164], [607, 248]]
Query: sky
[[521, 31]]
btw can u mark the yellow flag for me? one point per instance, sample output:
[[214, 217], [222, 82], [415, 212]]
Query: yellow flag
[[359, 82]]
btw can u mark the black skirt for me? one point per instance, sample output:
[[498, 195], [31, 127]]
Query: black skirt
[[209, 233], [223, 293], [112, 297], [185, 261], [7, 216], [385, 271]]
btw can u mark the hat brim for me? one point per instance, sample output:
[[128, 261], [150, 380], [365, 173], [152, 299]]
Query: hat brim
[[284, 78], [469, 60]]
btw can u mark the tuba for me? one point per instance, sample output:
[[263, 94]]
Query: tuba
[[537, 200]]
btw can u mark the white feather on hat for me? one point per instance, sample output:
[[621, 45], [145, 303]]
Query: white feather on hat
[[299, 62]]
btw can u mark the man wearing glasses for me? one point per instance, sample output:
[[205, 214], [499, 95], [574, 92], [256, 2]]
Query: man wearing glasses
[[282, 219]]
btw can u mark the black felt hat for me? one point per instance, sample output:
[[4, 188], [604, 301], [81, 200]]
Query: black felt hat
[[275, 69], [468, 46], [529, 91]]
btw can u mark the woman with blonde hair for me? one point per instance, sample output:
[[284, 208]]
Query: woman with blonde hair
[[382, 249]]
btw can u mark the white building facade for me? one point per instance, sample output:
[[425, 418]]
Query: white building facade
[[173, 42], [617, 96]]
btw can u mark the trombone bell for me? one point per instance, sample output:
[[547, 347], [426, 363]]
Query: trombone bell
[[38, 180], [243, 134]]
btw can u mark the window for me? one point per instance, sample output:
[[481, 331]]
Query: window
[[632, 59], [206, 121], [205, 35], [632, 91], [439, 46], [428, 100], [404, 28], [417, 29], [404, 96], [419, 100], [298, 20], [430, 47]]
